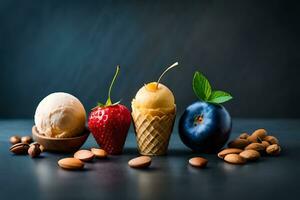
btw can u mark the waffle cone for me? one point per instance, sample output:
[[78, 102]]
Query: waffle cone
[[153, 132]]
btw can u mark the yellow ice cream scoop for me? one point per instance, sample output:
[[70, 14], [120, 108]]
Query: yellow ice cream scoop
[[154, 96]]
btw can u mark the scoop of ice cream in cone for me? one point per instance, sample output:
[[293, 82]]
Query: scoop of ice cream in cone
[[154, 99], [153, 113]]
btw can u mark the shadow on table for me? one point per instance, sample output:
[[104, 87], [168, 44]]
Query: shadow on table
[[171, 152]]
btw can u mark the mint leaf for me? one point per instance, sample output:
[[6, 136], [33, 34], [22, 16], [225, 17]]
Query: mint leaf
[[204, 92], [201, 86], [219, 97]]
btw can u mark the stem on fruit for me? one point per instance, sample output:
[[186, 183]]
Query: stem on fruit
[[174, 65], [198, 119], [108, 102]]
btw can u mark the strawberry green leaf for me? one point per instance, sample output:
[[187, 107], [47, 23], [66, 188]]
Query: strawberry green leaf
[[201, 86], [219, 97], [100, 104]]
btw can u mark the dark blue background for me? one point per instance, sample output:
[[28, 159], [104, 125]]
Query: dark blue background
[[248, 48]]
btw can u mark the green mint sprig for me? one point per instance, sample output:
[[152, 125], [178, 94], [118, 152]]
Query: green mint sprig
[[204, 92]]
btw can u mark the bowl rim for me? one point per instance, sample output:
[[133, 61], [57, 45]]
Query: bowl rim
[[35, 133]]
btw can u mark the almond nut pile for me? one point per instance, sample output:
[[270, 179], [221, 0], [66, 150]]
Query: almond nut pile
[[250, 147], [77, 161], [25, 145]]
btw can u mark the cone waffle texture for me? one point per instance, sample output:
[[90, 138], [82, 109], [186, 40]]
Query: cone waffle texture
[[152, 132]]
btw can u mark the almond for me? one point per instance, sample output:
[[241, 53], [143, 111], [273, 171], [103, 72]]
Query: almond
[[255, 146], [42, 148], [238, 143], [224, 152], [253, 138], [235, 159], [244, 136], [273, 149], [15, 139], [271, 139], [265, 143], [34, 151], [198, 162], [140, 162], [261, 133], [70, 163], [19, 148], [250, 154], [84, 155], [99, 153], [26, 139]]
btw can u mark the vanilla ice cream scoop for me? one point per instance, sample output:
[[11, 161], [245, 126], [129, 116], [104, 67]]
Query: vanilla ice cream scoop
[[60, 115], [154, 96]]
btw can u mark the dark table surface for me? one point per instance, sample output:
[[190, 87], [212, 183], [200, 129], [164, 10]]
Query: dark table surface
[[169, 177]]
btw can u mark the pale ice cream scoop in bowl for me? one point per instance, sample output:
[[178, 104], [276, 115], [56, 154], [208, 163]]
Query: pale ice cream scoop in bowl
[[60, 123]]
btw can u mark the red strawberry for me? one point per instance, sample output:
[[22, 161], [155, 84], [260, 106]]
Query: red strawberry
[[110, 123]]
